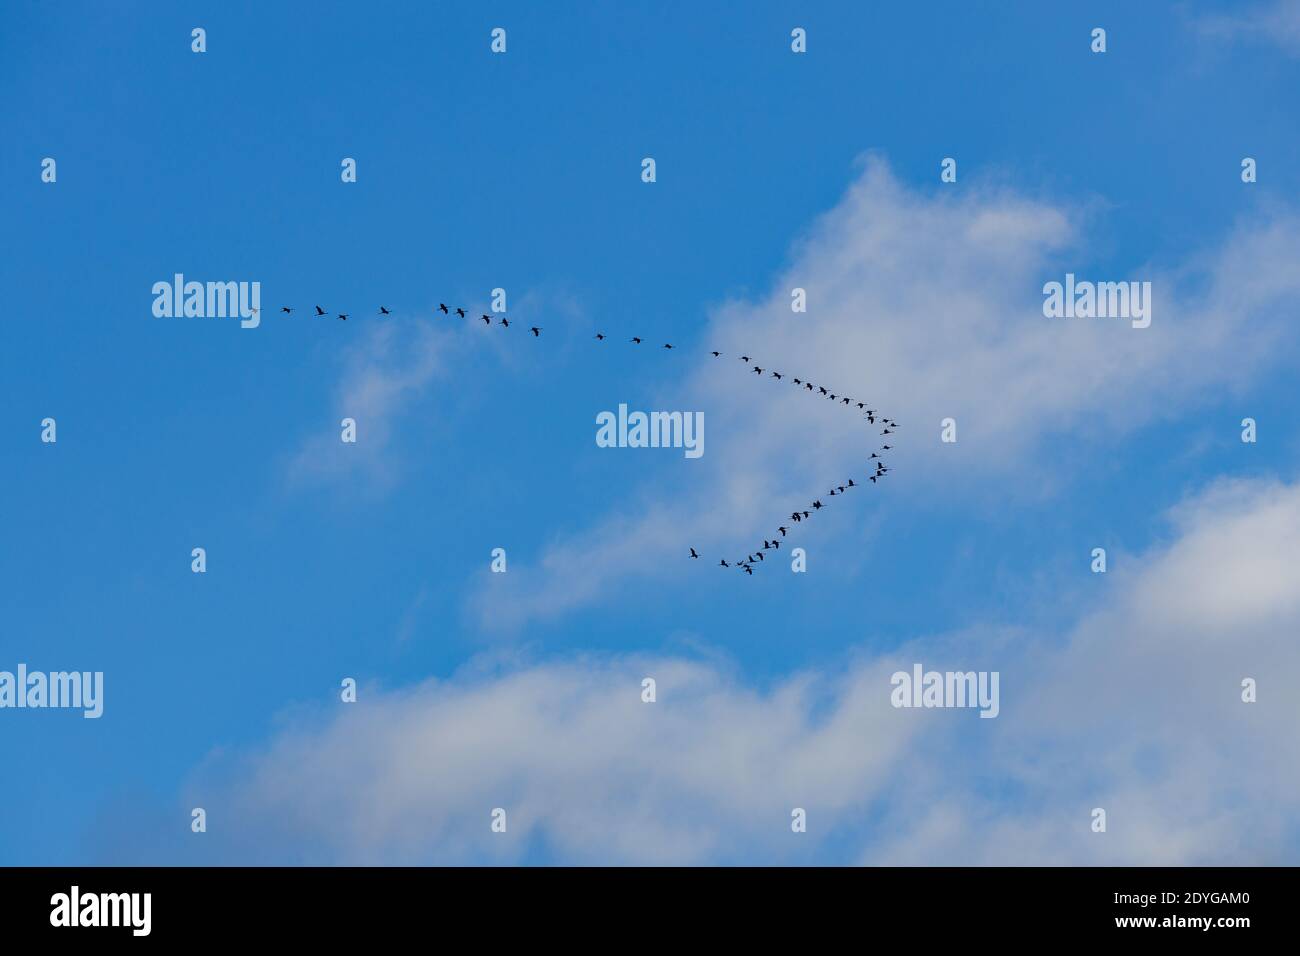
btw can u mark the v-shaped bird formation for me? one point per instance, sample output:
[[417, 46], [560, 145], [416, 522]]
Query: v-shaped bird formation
[[749, 562]]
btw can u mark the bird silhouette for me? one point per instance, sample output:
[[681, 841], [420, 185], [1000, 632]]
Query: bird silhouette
[[536, 331], [319, 310], [383, 311], [635, 340], [461, 313], [693, 554], [343, 316], [443, 309], [748, 569], [486, 320], [724, 563], [505, 323], [783, 531], [757, 370], [600, 337], [667, 346], [716, 354], [286, 310]]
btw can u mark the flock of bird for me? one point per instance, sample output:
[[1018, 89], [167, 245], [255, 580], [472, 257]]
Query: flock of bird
[[750, 561]]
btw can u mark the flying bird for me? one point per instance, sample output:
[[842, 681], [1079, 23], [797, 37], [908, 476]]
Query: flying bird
[[693, 554], [716, 354], [600, 337], [486, 320], [461, 313], [383, 311], [443, 309], [286, 310], [343, 316], [536, 331], [635, 340], [319, 310]]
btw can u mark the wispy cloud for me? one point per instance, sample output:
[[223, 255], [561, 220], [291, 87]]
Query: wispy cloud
[[393, 363], [1276, 22], [928, 305]]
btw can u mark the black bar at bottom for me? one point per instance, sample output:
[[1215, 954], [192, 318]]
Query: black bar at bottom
[[610, 905]]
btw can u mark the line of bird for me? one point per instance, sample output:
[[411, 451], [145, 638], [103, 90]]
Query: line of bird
[[750, 561]]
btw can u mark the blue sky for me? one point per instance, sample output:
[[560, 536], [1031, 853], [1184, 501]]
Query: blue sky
[[522, 171]]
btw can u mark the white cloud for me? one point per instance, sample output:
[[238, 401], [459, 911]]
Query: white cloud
[[391, 365], [926, 304], [1276, 22], [1136, 709]]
